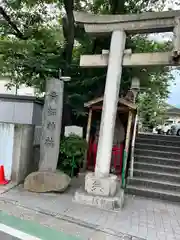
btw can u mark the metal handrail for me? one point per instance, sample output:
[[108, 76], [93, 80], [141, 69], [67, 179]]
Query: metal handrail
[[133, 145]]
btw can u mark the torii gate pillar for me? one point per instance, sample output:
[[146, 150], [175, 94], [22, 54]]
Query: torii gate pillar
[[111, 95], [103, 188]]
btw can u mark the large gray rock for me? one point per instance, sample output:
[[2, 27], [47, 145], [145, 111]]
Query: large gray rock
[[47, 182]]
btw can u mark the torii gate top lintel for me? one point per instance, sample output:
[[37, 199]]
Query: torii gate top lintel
[[147, 22]]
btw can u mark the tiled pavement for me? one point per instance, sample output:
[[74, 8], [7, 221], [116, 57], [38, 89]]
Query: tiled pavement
[[141, 218], [57, 226]]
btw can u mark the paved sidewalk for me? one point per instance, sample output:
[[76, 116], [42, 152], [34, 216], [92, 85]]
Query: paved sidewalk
[[33, 223], [141, 218]]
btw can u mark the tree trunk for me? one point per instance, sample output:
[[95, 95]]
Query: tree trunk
[[68, 27], [117, 6]]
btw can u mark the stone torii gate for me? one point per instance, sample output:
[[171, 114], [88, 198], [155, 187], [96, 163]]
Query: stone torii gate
[[101, 187]]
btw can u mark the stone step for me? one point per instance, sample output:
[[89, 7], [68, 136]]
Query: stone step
[[158, 141], [157, 160], [153, 193], [174, 178], [159, 137], [151, 183], [157, 147], [154, 153], [157, 168]]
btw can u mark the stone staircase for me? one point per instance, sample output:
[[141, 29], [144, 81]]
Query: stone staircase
[[156, 167]]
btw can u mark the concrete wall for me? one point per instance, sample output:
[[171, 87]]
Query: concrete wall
[[19, 150], [23, 113], [20, 109], [36, 146], [16, 112], [23, 161], [37, 114]]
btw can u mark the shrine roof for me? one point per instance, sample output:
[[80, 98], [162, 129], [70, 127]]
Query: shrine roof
[[121, 102]]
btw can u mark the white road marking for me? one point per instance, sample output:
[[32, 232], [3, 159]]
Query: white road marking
[[16, 233]]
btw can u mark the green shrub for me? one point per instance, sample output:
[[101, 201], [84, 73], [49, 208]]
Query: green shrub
[[72, 153]]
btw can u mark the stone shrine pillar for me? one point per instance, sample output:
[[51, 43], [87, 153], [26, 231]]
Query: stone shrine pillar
[[110, 102], [102, 187], [51, 125]]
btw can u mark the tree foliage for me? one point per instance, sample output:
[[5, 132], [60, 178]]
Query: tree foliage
[[153, 110], [38, 37]]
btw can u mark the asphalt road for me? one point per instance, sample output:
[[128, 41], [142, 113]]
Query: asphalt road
[[5, 236], [13, 228]]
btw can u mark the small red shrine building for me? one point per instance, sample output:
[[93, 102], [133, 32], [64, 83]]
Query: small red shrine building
[[126, 112]]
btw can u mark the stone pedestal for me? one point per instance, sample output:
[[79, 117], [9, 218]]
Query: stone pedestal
[[104, 192], [104, 202], [105, 186]]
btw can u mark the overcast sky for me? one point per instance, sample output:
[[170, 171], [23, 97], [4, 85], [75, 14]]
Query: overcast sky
[[174, 96]]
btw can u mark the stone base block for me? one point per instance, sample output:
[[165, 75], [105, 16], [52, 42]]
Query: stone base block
[[104, 186], [107, 203]]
